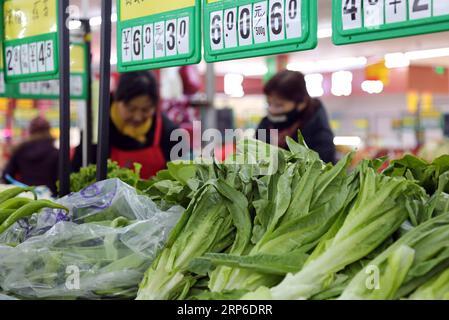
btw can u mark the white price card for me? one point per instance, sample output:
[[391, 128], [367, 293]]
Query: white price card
[[159, 36], [245, 28], [9, 58], [276, 18], [137, 43], [24, 88], [419, 9], [230, 27], [440, 7], [351, 14], [170, 37], [373, 13], [293, 19], [148, 43], [46, 88], [41, 57], [126, 45], [260, 22], [16, 58], [35, 87], [32, 53], [50, 56], [24, 59], [55, 87], [216, 30], [76, 85], [183, 35], [2, 82], [395, 11]]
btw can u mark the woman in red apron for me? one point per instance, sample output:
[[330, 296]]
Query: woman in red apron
[[139, 132]]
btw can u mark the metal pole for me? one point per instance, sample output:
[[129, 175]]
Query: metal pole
[[64, 99], [209, 114], [87, 135], [105, 79]]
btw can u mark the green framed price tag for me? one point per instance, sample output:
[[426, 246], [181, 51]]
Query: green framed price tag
[[249, 28], [369, 20], [30, 39], [152, 35], [3, 86], [49, 89]]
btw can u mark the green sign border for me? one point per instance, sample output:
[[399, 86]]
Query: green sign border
[[386, 31], [43, 76], [15, 92], [178, 60], [308, 41]]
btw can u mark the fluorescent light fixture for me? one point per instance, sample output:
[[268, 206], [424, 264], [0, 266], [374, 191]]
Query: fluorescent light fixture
[[74, 24], [329, 65], [233, 85], [373, 87], [351, 141], [96, 21], [324, 33], [427, 54], [396, 60], [314, 84], [342, 83]]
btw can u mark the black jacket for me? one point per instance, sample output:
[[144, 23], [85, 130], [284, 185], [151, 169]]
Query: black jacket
[[316, 132], [35, 163], [123, 142]]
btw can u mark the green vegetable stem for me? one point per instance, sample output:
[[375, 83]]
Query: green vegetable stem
[[14, 203], [14, 192], [5, 213], [27, 210]]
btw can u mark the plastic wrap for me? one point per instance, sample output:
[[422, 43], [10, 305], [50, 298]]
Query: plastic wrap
[[111, 239]]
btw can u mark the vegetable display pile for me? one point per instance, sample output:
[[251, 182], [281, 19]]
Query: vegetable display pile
[[269, 223]]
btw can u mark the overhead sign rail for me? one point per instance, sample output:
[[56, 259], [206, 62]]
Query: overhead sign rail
[[370, 20], [152, 35], [249, 28]]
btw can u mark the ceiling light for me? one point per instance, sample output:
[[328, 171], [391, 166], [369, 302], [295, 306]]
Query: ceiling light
[[396, 60], [373, 87]]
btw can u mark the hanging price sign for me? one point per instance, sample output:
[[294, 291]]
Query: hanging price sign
[[155, 34], [3, 86], [369, 20], [30, 39], [49, 89], [249, 28]]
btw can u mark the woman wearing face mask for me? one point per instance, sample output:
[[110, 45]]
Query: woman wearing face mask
[[139, 132], [290, 108]]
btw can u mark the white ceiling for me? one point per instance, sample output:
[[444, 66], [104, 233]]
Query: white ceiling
[[325, 50]]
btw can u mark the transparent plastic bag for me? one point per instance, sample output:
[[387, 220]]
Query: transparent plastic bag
[[68, 260], [102, 201]]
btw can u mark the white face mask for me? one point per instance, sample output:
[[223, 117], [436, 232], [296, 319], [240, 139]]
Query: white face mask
[[277, 118]]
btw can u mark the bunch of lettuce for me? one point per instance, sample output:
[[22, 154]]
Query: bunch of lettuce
[[381, 206], [88, 176]]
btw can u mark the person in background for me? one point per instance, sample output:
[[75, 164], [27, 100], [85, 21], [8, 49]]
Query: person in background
[[290, 108], [139, 131], [35, 161]]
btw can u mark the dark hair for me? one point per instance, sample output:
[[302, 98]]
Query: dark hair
[[134, 84], [39, 125], [289, 85]]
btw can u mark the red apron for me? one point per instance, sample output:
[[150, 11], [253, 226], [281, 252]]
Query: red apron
[[152, 158]]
